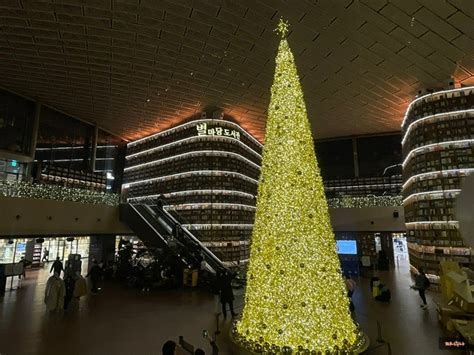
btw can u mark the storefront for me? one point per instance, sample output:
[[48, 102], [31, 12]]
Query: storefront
[[61, 247], [11, 250]]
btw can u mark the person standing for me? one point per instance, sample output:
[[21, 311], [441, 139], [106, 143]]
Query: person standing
[[95, 273], [421, 284], [68, 270], [57, 266], [159, 202], [80, 288], [54, 293], [226, 294], [25, 264], [350, 285], [69, 283]]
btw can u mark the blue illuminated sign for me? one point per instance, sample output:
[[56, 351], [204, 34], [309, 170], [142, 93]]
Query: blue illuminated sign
[[346, 247]]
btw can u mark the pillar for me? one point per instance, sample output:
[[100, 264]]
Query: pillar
[[355, 157], [95, 135], [33, 140]]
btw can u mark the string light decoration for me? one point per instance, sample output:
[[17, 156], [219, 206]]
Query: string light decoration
[[296, 299], [23, 189], [365, 201]]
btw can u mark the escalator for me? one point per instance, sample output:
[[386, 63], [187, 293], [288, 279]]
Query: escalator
[[158, 228], [190, 239]]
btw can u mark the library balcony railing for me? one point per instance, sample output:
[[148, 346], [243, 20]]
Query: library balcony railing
[[382, 185], [23, 189]]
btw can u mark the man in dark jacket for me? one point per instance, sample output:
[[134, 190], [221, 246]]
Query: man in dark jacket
[[159, 201], [226, 294], [95, 274], [421, 284], [57, 266]]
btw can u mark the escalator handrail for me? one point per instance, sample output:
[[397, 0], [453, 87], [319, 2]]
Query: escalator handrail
[[153, 213], [154, 221], [149, 224], [195, 232], [160, 235], [190, 235]]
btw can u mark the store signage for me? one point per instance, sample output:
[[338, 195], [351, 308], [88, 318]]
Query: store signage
[[203, 130]]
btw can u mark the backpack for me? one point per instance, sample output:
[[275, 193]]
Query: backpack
[[427, 282]]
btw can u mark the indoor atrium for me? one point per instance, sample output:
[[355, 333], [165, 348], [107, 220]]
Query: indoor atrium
[[236, 177]]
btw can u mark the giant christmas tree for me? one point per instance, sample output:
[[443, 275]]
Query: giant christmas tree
[[296, 297]]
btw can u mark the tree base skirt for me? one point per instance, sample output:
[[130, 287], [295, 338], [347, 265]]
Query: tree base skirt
[[363, 341]]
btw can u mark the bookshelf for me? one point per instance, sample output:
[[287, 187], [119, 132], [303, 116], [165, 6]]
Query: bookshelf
[[438, 151], [378, 186], [55, 175], [36, 259], [207, 170]]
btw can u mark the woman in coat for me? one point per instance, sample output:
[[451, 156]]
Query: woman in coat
[[54, 293]]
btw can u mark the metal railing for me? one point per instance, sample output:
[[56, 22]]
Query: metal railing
[[23, 189], [190, 227]]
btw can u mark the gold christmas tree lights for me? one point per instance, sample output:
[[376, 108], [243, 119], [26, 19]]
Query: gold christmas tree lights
[[296, 298]]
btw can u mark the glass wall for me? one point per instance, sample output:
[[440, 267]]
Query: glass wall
[[335, 159], [16, 120], [63, 140], [12, 250], [61, 247], [65, 148], [373, 162], [64, 144], [11, 170]]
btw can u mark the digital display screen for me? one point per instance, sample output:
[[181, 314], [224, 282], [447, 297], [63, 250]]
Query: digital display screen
[[346, 247]]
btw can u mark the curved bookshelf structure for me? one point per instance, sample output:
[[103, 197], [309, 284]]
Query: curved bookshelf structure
[[438, 152], [207, 170]]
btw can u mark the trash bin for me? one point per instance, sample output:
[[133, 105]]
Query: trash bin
[[190, 277]]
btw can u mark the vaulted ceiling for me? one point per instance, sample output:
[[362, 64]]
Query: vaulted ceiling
[[139, 66]]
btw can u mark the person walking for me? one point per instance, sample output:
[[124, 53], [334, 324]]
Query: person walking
[[95, 273], [57, 266], [422, 284], [226, 294], [45, 255]]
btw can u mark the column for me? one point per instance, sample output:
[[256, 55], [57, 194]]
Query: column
[[355, 157], [95, 135], [34, 140]]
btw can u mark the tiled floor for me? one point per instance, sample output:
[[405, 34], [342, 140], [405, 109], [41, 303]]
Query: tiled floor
[[123, 321]]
